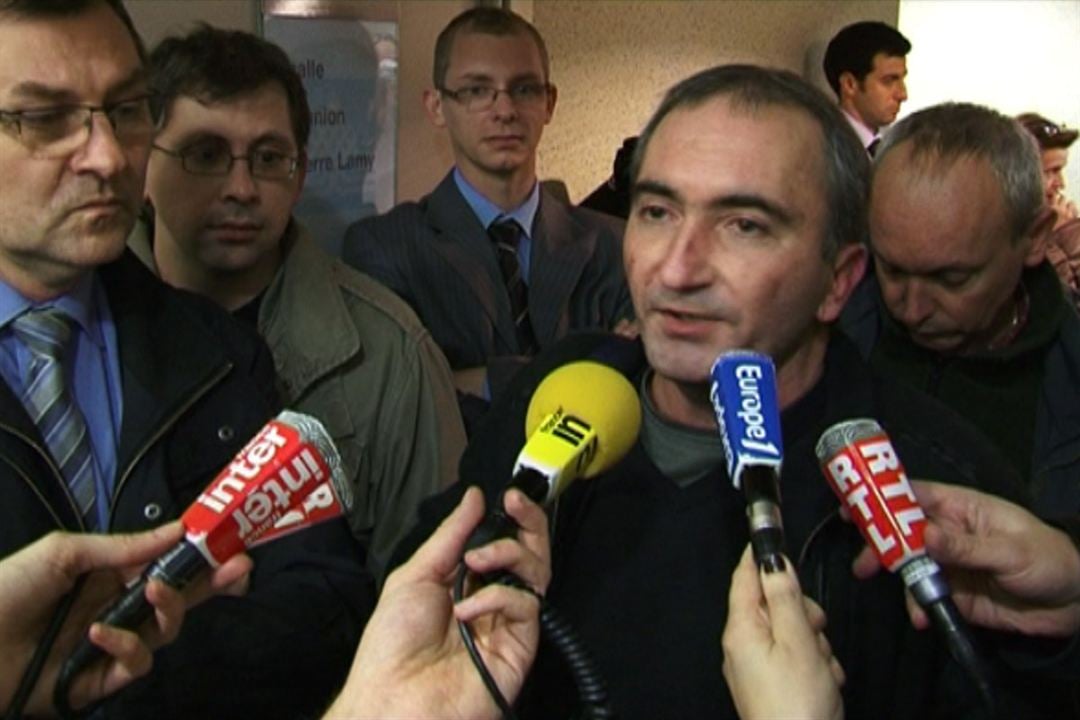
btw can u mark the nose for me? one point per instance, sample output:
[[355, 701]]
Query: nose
[[912, 305], [686, 264], [102, 154], [239, 185], [503, 105], [901, 94]]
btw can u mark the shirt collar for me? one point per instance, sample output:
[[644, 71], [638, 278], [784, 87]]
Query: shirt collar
[[79, 303], [488, 212], [866, 136]]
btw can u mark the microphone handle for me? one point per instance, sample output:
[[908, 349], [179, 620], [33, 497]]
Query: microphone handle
[[497, 524], [946, 618], [176, 569], [761, 487]]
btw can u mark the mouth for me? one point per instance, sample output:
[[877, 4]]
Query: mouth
[[932, 338], [106, 203], [680, 322], [236, 230]]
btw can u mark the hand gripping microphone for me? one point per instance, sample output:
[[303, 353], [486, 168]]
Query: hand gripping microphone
[[288, 477], [743, 395], [582, 419], [864, 471]]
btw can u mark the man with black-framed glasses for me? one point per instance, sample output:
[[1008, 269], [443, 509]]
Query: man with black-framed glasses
[[226, 168], [495, 267]]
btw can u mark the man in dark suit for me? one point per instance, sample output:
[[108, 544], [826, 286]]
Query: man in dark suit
[[493, 265]]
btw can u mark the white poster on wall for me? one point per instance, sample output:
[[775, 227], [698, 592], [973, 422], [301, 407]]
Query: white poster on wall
[[349, 69]]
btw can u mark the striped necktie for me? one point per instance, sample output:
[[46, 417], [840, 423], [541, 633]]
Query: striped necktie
[[506, 234], [46, 397]]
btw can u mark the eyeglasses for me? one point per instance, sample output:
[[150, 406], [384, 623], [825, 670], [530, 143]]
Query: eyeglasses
[[478, 98], [59, 130], [214, 158]]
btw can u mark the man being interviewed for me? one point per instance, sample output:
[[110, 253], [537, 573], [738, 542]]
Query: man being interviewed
[[747, 231]]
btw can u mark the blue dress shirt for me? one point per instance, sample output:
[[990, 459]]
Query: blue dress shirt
[[96, 371], [489, 213]]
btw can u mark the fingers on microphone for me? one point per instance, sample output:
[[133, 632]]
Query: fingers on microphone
[[130, 654], [515, 604], [784, 598], [514, 557], [440, 553]]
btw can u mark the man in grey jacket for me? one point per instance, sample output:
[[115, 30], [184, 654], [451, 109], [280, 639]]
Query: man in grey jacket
[[227, 166]]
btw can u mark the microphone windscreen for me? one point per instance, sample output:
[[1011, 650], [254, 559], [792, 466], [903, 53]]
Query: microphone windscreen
[[601, 396]]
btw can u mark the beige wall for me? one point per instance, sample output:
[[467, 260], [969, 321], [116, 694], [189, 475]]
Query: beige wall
[[612, 60], [423, 154]]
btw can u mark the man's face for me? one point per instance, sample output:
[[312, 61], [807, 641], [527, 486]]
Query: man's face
[[876, 100], [723, 247], [61, 216], [1054, 161], [945, 258], [231, 223], [500, 141]]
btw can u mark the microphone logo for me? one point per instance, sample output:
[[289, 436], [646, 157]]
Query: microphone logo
[[278, 476], [867, 476], [743, 395]]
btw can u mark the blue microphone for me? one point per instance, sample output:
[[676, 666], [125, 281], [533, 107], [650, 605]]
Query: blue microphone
[[743, 394]]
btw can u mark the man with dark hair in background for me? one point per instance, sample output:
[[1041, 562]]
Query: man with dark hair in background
[[495, 267], [1063, 245], [865, 66], [225, 170], [122, 398], [747, 230]]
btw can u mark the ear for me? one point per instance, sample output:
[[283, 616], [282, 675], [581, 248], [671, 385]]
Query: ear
[[849, 86], [1039, 236], [433, 106], [553, 95], [848, 269]]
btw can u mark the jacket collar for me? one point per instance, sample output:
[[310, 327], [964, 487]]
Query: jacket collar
[[561, 248], [155, 328], [303, 316]]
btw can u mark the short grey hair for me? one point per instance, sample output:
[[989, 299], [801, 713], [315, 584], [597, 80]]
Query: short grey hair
[[847, 169], [945, 133]]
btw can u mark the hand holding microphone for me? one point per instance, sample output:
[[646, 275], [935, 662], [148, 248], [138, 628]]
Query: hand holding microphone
[[864, 471], [743, 394], [1008, 569], [35, 578], [582, 419], [286, 478], [412, 662], [777, 661]]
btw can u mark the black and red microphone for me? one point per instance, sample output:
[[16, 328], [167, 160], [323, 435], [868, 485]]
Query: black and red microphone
[[864, 471], [287, 478]]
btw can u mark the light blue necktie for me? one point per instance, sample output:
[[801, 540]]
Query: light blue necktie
[[49, 402]]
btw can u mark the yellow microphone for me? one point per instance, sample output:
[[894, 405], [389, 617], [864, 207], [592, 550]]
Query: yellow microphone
[[582, 419]]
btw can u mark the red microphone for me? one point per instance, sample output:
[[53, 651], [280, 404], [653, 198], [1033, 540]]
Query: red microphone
[[865, 472], [287, 478]]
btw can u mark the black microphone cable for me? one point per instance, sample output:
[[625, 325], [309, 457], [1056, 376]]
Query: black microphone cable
[[32, 674], [591, 687]]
